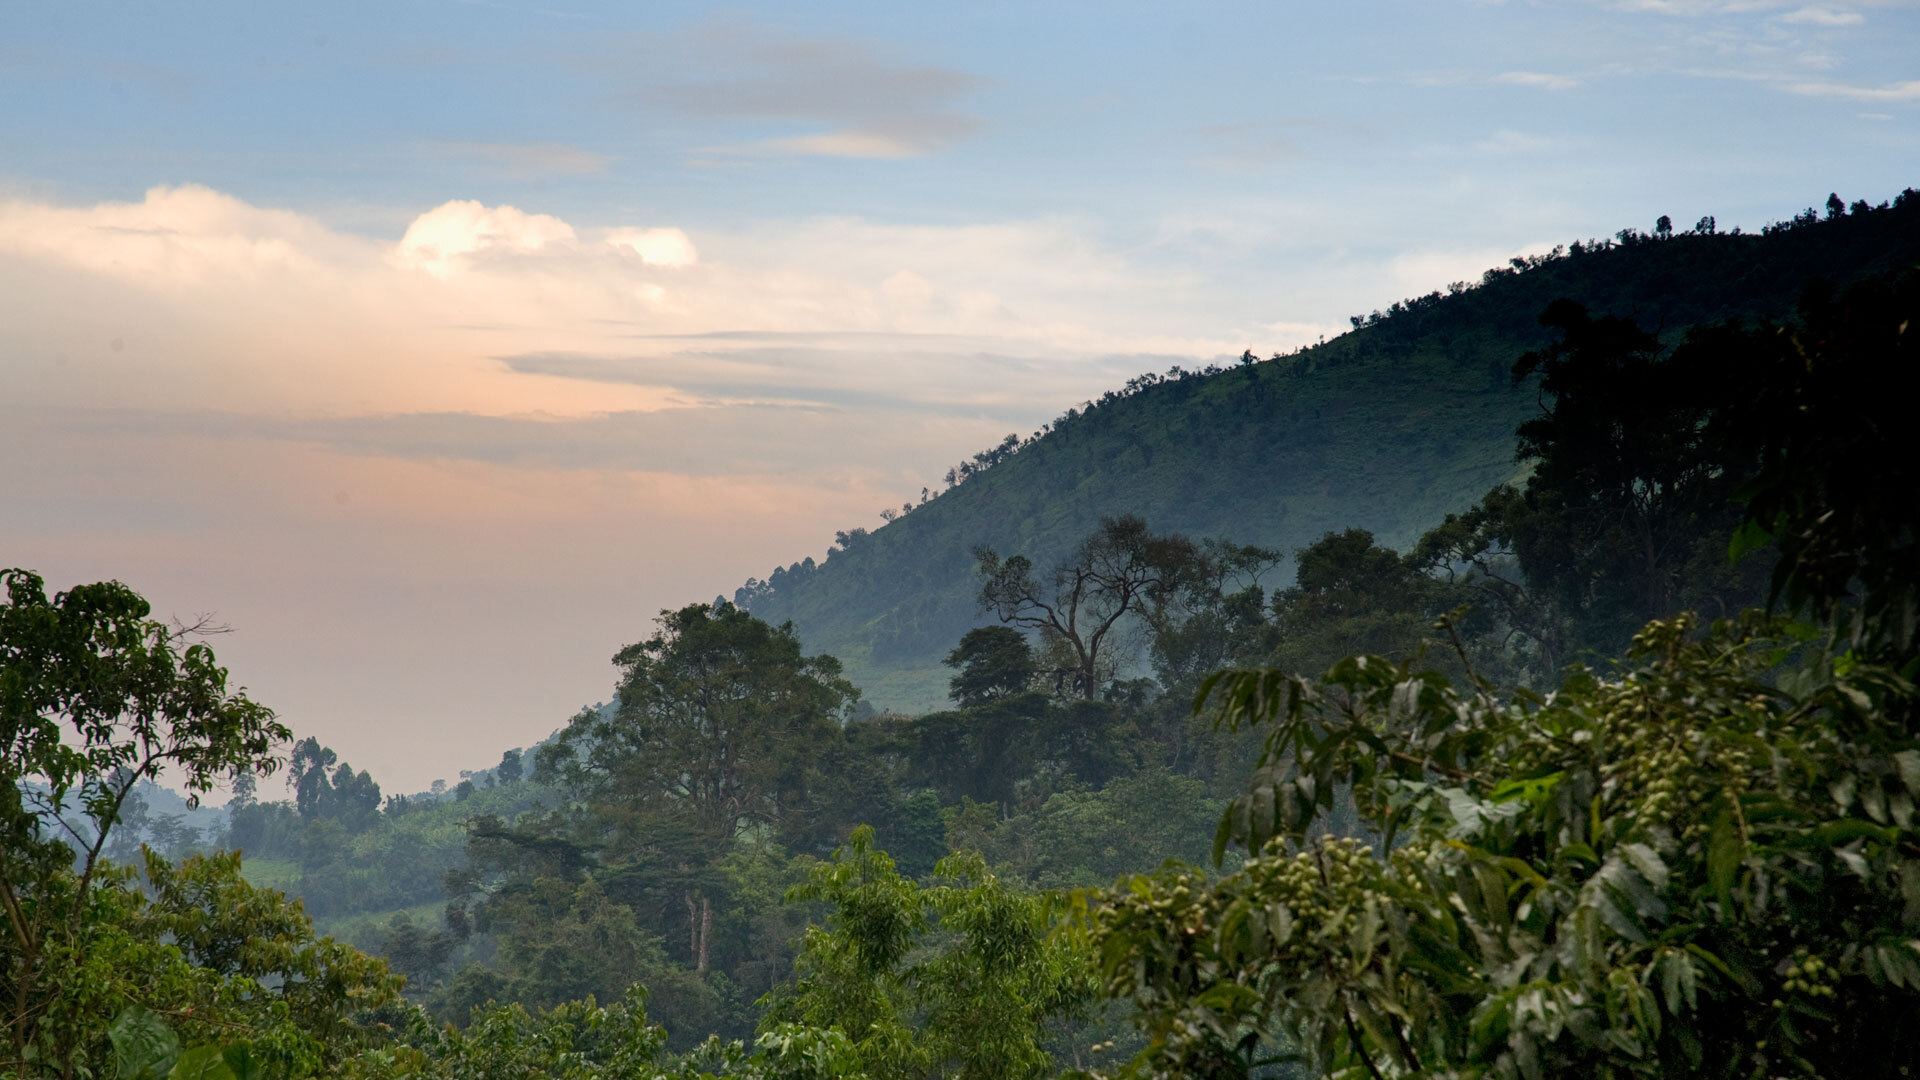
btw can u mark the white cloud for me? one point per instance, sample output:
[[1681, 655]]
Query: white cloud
[[1900, 91], [175, 238], [438, 238], [222, 304], [655, 247], [1819, 16]]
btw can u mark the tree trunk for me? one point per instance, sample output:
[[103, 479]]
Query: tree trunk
[[706, 932], [693, 927]]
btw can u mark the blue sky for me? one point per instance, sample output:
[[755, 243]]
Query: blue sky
[[438, 345]]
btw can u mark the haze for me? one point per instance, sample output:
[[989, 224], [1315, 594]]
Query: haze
[[437, 347]]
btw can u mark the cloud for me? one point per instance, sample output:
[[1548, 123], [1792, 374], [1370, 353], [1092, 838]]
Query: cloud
[[655, 247], [1539, 79], [527, 160], [1819, 16], [848, 99], [222, 304], [437, 239], [912, 138], [1900, 91]]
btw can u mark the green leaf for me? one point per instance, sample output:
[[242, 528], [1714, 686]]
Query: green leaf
[[144, 1047], [1725, 850], [1533, 789], [1908, 762], [205, 1062], [241, 1062], [1222, 835], [1750, 535]]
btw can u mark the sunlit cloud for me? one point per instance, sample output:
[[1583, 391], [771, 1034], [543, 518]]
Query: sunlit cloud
[[438, 238], [218, 303], [656, 247]]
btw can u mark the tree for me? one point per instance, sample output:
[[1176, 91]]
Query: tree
[[1079, 608], [1351, 595], [972, 1002], [510, 767], [992, 662], [326, 787], [95, 697], [1213, 618], [1829, 468], [308, 778], [1624, 516], [721, 720], [415, 951]]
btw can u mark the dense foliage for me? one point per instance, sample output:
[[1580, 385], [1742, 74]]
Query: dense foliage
[[1690, 869], [95, 697]]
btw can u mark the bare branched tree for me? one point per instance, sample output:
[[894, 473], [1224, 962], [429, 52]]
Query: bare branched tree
[[1082, 603]]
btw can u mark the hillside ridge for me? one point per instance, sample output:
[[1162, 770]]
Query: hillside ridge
[[1388, 427]]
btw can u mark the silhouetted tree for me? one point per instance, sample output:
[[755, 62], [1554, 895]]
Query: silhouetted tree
[[1080, 606]]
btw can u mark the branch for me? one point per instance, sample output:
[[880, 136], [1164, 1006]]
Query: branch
[[201, 626], [93, 854], [1353, 1039], [1460, 647]]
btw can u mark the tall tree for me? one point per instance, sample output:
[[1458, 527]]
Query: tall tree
[[1625, 515], [1081, 604], [326, 787], [992, 662], [95, 697], [720, 725]]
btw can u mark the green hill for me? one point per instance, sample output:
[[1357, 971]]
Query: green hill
[[1389, 427]]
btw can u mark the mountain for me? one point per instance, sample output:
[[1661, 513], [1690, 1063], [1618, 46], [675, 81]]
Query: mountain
[[1389, 427]]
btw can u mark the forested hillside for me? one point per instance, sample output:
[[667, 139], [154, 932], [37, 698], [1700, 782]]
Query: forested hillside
[[1408, 417]]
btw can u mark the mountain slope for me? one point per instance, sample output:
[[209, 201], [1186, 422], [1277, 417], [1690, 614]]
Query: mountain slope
[[1408, 417]]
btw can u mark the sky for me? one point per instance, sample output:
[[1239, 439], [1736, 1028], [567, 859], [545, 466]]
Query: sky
[[435, 347]]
